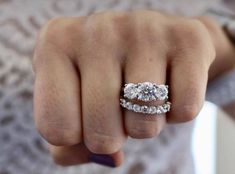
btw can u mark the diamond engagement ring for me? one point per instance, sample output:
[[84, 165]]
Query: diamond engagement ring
[[146, 91]]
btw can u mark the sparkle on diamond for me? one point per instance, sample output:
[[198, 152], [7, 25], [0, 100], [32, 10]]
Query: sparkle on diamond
[[161, 92], [130, 91], [146, 91]]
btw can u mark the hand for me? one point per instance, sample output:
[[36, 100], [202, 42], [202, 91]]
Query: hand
[[81, 64]]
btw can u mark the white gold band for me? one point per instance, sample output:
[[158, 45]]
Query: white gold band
[[160, 109]]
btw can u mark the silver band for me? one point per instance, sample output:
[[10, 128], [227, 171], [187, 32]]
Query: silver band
[[146, 91], [160, 109]]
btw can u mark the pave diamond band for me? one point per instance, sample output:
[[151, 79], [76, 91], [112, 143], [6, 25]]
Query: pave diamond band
[[160, 109], [146, 91]]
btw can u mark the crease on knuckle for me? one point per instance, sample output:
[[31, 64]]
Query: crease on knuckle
[[51, 39], [100, 29], [53, 27], [188, 31], [146, 132], [146, 32], [188, 112], [192, 37]]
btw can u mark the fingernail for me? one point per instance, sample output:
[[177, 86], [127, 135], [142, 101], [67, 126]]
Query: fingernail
[[106, 160]]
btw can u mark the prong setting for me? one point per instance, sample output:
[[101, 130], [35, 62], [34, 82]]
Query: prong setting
[[146, 91]]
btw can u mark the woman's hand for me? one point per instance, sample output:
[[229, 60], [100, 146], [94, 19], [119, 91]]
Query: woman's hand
[[81, 64]]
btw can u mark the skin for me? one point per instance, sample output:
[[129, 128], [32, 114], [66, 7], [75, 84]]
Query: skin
[[81, 64]]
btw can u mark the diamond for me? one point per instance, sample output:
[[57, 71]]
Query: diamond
[[162, 109], [136, 108], [161, 92], [167, 106], [146, 91], [151, 110], [158, 110], [130, 91], [122, 102], [144, 109], [129, 105]]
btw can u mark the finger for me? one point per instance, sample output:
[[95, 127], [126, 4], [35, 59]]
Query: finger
[[102, 119], [56, 97], [147, 65], [79, 154], [188, 81], [70, 155]]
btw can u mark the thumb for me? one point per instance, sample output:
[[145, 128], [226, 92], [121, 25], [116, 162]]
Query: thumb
[[79, 154]]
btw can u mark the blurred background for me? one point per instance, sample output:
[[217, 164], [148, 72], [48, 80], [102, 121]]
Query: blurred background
[[214, 141]]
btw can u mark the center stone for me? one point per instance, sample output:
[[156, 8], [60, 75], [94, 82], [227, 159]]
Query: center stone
[[147, 91]]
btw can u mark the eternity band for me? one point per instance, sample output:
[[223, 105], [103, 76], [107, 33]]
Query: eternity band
[[145, 91], [160, 109]]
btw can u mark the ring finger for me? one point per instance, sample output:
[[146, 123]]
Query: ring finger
[[145, 66]]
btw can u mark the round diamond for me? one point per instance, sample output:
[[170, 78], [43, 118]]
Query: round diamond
[[152, 110], [167, 106], [161, 92], [129, 105], [158, 110], [122, 101], [144, 109], [162, 109], [130, 91], [146, 91], [136, 108]]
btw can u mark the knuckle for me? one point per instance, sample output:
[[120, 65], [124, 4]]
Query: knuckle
[[52, 29], [192, 36], [140, 132], [151, 31], [143, 30], [208, 22], [189, 31], [58, 136], [195, 24], [57, 26], [101, 28], [189, 112], [51, 38]]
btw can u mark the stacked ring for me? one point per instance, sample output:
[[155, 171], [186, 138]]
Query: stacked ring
[[145, 92]]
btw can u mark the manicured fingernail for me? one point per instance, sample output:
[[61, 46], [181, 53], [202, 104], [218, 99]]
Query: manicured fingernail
[[106, 160]]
